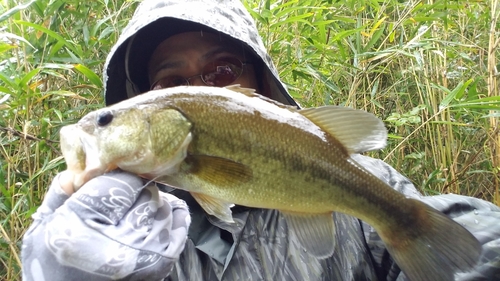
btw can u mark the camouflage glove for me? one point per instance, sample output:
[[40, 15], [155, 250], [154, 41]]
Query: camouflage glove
[[112, 228]]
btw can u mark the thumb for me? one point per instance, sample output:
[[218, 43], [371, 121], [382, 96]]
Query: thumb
[[55, 197], [107, 198]]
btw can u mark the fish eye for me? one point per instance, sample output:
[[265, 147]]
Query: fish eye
[[104, 118]]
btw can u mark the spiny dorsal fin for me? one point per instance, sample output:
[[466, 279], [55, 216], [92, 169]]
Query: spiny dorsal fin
[[251, 93], [246, 91], [357, 130]]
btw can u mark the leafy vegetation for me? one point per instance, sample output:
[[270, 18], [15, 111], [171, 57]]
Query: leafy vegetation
[[427, 68]]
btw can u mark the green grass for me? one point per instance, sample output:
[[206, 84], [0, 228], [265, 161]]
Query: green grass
[[427, 68]]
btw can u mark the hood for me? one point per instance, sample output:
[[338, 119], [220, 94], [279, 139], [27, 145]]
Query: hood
[[125, 72]]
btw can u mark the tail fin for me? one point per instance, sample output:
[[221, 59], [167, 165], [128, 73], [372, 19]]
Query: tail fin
[[443, 248]]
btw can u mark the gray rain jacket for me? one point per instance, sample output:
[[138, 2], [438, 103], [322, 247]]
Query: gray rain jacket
[[258, 246]]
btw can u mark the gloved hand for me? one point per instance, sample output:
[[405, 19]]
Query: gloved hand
[[111, 228]]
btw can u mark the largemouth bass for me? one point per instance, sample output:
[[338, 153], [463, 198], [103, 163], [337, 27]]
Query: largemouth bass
[[231, 146]]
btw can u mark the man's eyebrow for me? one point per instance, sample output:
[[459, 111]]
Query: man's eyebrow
[[178, 64], [169, 64], [222, 49]]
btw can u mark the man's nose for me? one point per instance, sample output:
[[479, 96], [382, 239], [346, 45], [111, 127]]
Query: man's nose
[[196, 81]]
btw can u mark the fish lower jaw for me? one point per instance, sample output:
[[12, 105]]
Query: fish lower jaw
[[79, 178]]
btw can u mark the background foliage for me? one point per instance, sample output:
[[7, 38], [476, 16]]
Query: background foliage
[[427, 68]]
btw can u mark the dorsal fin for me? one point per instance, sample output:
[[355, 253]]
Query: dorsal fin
[[357, 130]]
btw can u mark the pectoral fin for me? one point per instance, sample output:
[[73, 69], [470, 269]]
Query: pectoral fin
[[316, 233], [214, 207], [357, 130], [218, 171], [204, 176]]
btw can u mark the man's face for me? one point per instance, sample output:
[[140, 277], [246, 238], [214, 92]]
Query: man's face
[[187, 55]]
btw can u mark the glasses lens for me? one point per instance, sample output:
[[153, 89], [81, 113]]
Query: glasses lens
[[218, 73], [168, 82], [222, 72]]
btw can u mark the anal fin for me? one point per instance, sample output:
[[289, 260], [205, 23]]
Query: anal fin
[[315, 232]]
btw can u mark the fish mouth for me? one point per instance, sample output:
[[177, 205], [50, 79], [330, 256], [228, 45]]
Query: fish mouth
[[72, 148], [94, 166], [80, 152]]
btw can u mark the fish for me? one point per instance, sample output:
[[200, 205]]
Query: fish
[[228, 146]]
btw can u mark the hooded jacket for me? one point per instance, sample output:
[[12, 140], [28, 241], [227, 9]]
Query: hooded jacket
[[155, 21], [258, 246]]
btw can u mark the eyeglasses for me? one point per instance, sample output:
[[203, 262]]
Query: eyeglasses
[[218, 73]]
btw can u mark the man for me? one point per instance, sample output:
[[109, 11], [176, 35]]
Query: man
[[113, 228]]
